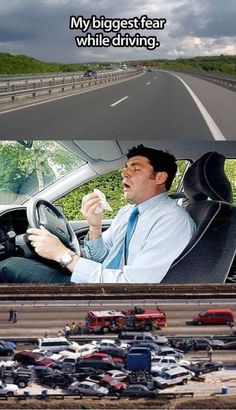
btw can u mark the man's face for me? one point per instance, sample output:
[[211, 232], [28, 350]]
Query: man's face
[[139, 180]]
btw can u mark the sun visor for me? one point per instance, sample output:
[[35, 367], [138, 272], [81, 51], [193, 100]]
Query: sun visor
[[105, 150]]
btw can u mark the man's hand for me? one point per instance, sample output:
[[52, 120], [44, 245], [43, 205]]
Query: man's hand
[[46, 244], [89, 203]]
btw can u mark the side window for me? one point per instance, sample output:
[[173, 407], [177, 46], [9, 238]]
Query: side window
[[111, 185], [230, 170], [182, 168]]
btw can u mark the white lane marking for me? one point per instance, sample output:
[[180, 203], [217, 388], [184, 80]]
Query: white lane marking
[[149, 82], [119, 101], [216, 133], [58, 98]]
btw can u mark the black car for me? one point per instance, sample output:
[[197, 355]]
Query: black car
[[56, 379], [138, 390], [204, 343], [85, 372], [114, 351], [200, 368], [6, 350], [230, 345], [90, 73], [103, 364], [152, 346]]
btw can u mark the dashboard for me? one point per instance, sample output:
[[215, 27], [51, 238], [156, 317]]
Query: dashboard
[[12, 222]]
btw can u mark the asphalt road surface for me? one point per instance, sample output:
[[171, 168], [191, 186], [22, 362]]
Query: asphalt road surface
[[35, 318], [154, 105]]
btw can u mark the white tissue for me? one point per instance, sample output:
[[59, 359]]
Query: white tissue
[[103, 202]]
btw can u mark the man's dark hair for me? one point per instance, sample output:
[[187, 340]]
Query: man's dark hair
[[160, 161]]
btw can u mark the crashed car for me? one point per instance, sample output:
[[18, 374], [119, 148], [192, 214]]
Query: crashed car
[[172, 376], [88, 388], [199, 368], [56, 379], [138, 390]]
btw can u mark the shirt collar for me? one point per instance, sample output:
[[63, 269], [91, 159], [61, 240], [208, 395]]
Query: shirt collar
[[154, 200]]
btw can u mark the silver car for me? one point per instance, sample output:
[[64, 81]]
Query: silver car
[[88, 388]]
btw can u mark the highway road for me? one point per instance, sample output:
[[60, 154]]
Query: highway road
[[158, 104], [35, 318]]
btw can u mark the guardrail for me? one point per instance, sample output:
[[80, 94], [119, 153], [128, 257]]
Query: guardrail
[[18, 84], [87, 338], [61, 396], [61, 84], [222, 80], [114, 291], [24, 76]]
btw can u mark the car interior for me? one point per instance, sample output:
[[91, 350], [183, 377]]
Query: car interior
[[204, 191]]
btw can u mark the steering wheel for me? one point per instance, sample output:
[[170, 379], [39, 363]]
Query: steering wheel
[[43, 213]]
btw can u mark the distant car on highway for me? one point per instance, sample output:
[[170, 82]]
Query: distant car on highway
[[90, 73]]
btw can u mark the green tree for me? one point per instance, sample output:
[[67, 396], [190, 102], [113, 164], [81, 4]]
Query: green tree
[[28, 170]]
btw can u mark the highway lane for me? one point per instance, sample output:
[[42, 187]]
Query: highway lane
[[154, 105], [34, 319]]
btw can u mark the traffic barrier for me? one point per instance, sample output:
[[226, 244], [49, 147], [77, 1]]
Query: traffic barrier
[[226, 82], [60, 396], [36, 89], [114, 292]]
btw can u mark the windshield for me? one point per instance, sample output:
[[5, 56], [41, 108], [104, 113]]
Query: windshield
[[203, 313], [39, 359], [26, 168]]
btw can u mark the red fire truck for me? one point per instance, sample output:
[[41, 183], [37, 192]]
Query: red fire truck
[[105, 321]]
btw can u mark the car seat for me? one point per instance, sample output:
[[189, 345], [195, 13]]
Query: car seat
[[210, 253]]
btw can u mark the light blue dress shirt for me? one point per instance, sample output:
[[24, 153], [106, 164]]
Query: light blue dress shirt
[[162, 232]]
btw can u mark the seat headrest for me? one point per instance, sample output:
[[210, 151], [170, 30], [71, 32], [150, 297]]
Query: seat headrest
[[206, 178]]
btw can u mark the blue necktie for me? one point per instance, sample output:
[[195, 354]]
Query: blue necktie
[[132, 222]]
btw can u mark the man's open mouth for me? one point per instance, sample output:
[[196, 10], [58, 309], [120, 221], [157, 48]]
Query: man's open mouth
[[126, 186]]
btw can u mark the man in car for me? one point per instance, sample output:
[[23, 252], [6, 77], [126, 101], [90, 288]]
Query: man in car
[[161, 230]]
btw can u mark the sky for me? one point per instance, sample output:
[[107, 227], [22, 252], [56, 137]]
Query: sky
[[40, 29]]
